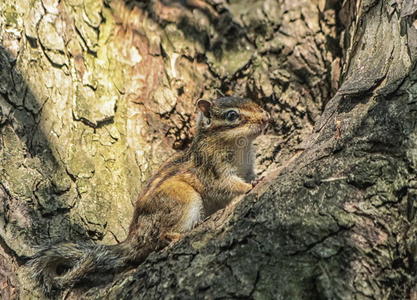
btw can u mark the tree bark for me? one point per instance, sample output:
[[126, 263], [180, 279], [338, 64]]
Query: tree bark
[[95, 94]]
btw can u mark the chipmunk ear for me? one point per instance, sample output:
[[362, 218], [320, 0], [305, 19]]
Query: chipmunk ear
[[205, 107]]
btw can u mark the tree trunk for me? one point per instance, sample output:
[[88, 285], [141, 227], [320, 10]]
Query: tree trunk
[[95, 94]]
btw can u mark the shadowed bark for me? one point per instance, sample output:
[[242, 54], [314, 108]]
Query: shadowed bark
[[95, 94]]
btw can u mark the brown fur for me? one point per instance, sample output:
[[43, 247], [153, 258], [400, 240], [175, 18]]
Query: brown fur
[[216, 168]]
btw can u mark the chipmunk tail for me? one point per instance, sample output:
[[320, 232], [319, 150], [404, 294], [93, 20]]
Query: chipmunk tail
[[65, 265]]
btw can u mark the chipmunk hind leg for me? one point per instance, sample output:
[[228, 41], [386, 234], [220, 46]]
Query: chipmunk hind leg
[[191, 214], [188, 205], [163, 217], [178, 208]]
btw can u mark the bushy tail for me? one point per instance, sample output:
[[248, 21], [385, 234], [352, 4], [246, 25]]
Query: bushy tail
[[67, 264]]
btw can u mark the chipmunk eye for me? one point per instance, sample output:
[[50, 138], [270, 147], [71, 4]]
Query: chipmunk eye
[[231, 115]]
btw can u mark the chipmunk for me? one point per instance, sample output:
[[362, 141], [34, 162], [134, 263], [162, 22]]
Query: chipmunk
[[217, 167]]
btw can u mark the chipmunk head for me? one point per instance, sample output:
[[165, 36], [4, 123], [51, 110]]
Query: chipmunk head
[[230, 118]]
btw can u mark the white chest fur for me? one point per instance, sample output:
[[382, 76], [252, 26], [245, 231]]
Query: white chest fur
[[193, 214], [244, 161]]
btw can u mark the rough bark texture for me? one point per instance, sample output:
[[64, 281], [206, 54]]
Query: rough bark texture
[[95, 94]]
